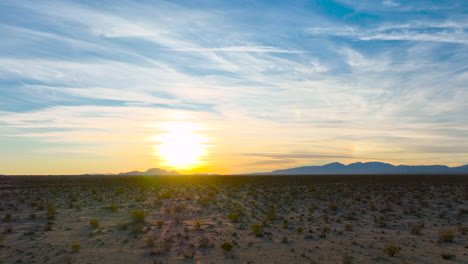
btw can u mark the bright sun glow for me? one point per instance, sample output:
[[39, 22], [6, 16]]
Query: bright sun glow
[[181, 147]]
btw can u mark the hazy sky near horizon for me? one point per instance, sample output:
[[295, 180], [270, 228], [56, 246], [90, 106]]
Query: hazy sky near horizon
[[231, 86]]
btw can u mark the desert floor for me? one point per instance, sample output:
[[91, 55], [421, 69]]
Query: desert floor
[[97, 219]]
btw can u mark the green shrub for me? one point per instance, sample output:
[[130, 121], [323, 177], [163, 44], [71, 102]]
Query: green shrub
[[159, 224], [391, 250], [48, 226], [51, 212], [112, 207], [256, 229], [139, 215], [226, 246], [76, 247], [197, 224], [94, 223], [326, 218], [446, 235]]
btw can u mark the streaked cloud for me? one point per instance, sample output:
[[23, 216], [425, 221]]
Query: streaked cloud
[[297, 85]]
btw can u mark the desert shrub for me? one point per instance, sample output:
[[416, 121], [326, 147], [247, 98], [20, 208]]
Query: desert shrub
[[204, 242], [350, 216], [138, 228], [7, 218], [447, 256], [462, 229], [381, 223], [32, 215], [140, 199], [446, 235], [415, 229], [284, 239], [157, 251], [51, 212], [48, 226], [94, 223], [197, 224], [325, 228], [256, 229], [300, 229], [326, 218], [69, 260], [139, 215], [123, 226], [348, 227], [2, 239], [112, 207], [346, 260], [190, 254], [165, 195], [270, 214], [150, 242], [119, 191], [226, 246], [391, 250], [333, 206], [462, 211], [372, 206], [98, 198], [7, 230], [76, 247], [159, 224]]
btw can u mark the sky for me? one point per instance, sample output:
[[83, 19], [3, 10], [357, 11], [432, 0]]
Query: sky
[[230, 87]]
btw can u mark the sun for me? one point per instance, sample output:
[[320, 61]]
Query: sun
[[182, 146]]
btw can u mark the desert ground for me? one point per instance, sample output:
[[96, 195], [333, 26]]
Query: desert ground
[[234, 219]]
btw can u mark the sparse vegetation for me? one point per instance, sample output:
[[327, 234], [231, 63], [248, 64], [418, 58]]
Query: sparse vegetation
[[94, 223], [227, 246], [76, 247], [51, 212], [256, 229], [178, 220], [416, 229], [447, 256], [197, 224], [446, 235], [391, 250], [139, 215], [159, 224]]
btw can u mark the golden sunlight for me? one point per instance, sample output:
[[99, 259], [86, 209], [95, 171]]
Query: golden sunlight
[[181, 147]]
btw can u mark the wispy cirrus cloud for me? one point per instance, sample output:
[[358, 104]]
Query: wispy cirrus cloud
[[76, 73], [449, 31], [261, 49]]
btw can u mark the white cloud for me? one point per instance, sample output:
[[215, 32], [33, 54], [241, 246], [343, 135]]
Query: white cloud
[[261, 49], [390, 3]]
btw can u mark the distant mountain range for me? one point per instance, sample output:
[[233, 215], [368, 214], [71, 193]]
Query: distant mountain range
[[369, 168], [336, 168], [150, 172]]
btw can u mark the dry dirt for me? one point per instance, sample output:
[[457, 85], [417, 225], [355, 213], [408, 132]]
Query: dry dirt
[[142, 220]]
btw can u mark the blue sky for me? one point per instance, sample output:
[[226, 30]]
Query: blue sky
[[85, 85]]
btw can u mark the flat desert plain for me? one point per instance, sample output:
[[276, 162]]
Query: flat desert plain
[[234, 219]]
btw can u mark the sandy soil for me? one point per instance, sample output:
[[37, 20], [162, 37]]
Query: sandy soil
[[153, 222]]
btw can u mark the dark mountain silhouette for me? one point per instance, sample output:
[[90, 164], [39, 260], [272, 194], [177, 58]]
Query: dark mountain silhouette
[[150, 172], [369, 168]]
